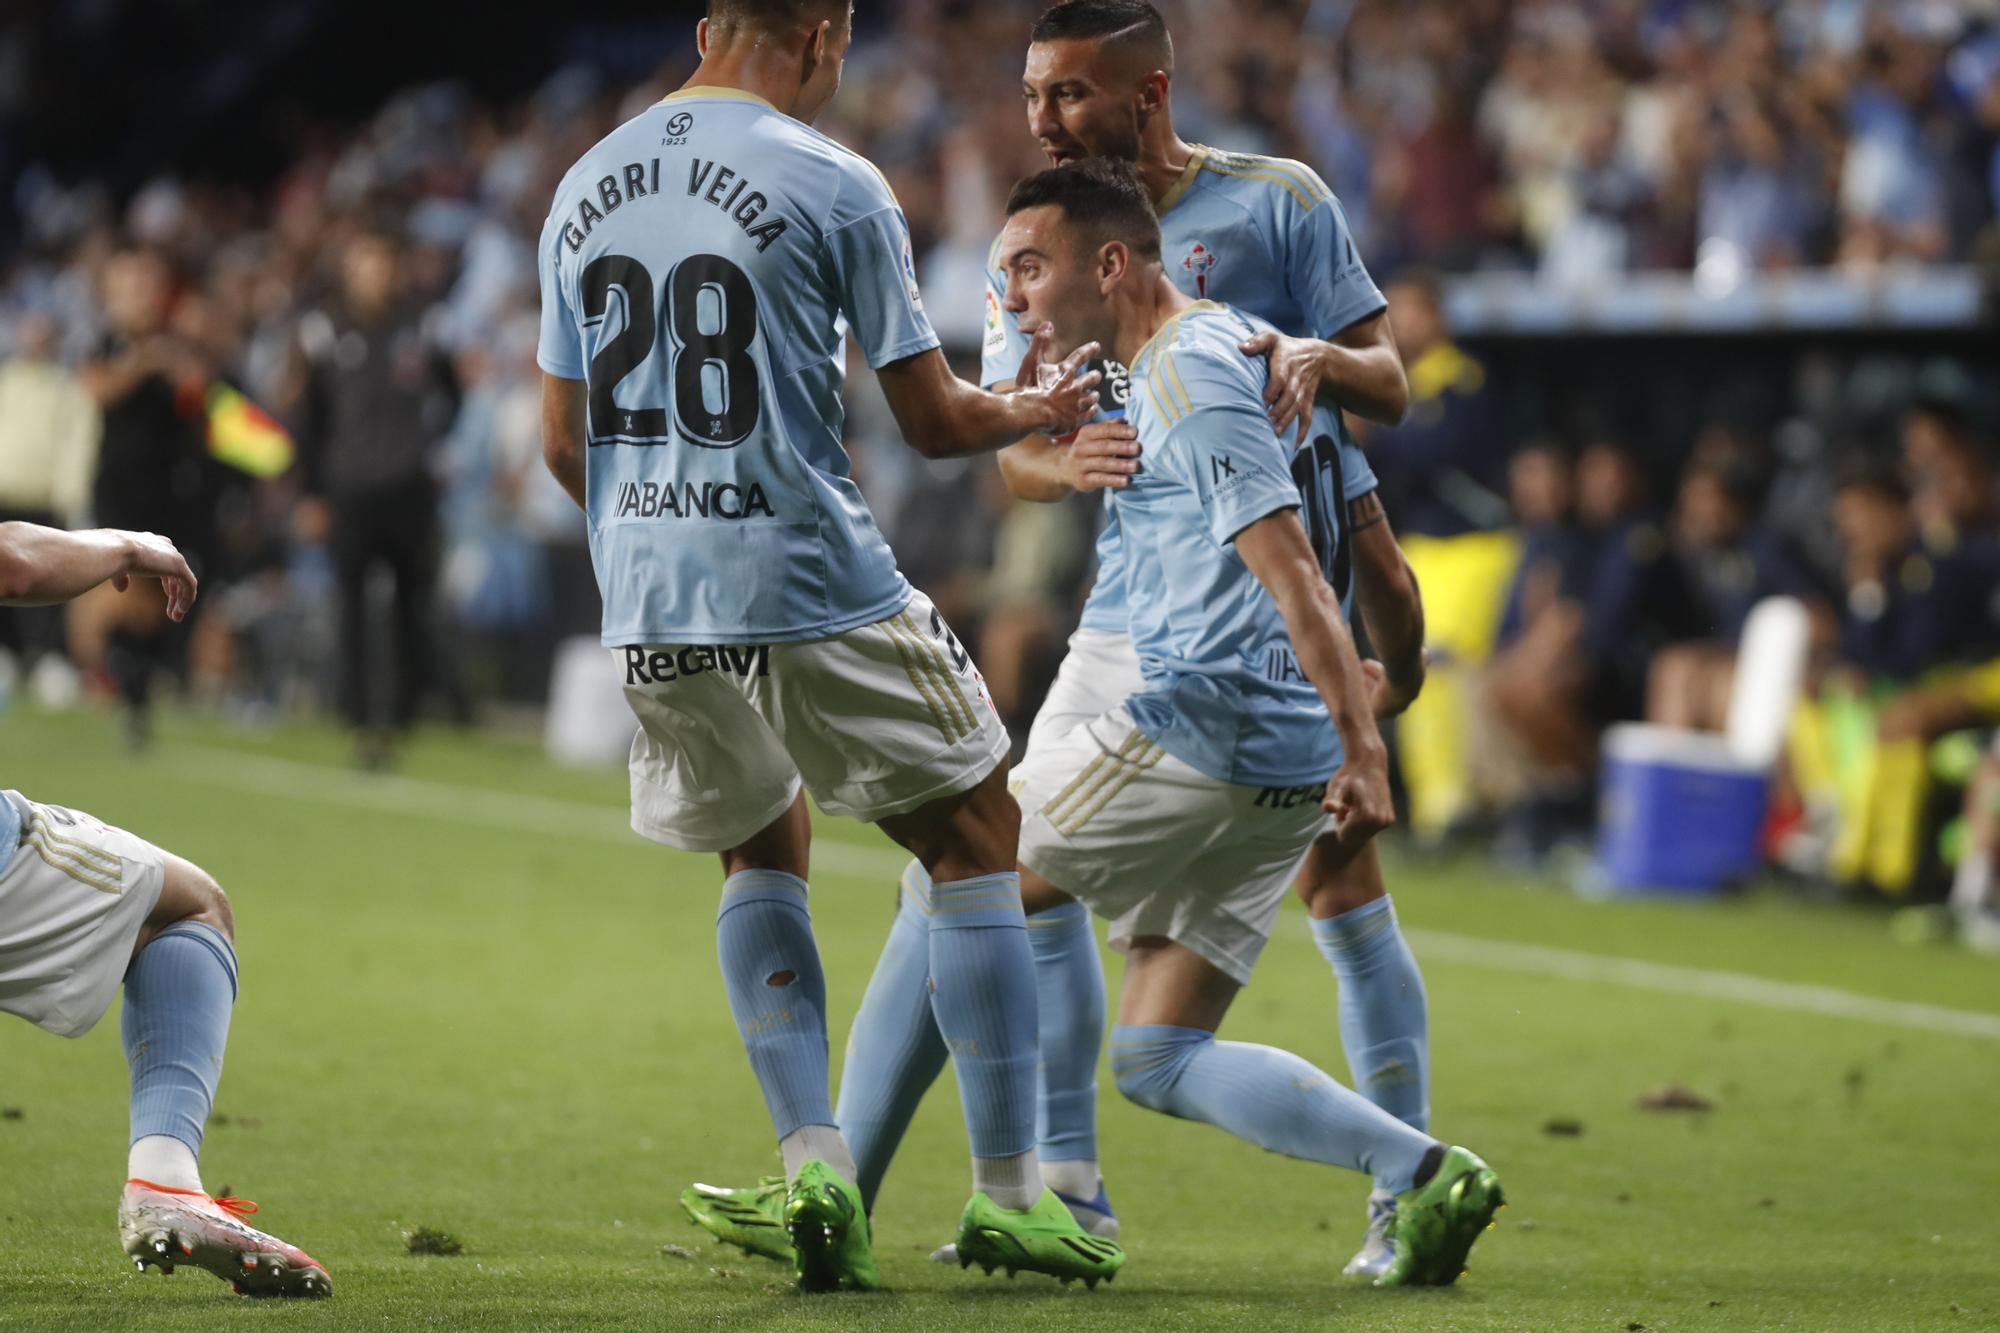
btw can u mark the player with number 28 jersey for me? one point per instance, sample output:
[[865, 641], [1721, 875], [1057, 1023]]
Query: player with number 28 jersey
[[695, 268]]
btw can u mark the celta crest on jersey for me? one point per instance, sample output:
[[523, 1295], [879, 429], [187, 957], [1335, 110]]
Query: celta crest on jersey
[[1198, 261]]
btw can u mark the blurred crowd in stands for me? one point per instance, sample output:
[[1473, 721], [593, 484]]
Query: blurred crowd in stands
[[379, 299]]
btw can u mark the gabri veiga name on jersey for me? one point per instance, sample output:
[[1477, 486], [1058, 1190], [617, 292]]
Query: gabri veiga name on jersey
[[709, 181]]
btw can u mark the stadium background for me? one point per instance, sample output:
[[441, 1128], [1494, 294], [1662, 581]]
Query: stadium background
[[1666, 239], [1698, 267]]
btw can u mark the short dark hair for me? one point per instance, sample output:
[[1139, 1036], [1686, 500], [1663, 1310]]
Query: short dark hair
[[1866, 470], [770, 15], [1131, 22], [1101, 195]]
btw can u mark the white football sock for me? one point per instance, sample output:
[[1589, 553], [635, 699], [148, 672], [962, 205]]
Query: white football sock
[[164, 1160], [1078, 1178], [1015, 1183], [822, 1141]]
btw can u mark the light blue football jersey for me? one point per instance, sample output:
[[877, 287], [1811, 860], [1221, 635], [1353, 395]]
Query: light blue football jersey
[[1224, 692], [701, 268], [10, 831], [1262, 234]]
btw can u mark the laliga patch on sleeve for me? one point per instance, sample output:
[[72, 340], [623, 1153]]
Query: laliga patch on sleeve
[[910, 273], [996, 327]]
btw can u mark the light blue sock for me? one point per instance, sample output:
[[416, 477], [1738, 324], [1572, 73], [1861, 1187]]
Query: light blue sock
[[178, 993], [983, 995], [1266, 1096], [1384, 1017], [894, 1052], [777, 992], [1069, 985]]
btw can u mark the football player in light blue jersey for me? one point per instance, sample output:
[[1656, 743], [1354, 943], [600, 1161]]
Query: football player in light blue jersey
[[702, 268], [1266, 236], [1181, 814], [86, 908]]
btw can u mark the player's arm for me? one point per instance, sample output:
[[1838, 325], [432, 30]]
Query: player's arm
[[41, 566], [1101, 456], [1358, 367], [942, 416], [1276, 550], [563, 442], [1390, 602]]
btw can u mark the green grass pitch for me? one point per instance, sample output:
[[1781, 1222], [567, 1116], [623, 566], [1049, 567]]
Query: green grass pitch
[[472, 1002]]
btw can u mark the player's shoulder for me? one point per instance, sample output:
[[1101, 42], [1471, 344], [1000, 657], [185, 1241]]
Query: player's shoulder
[[861, 187], [1197, 360], [617, 143], [1253, 178]]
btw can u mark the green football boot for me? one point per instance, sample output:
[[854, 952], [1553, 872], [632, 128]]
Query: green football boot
[[750, 1219], [1436, 1223], [829, 1231], [1044, 1239]]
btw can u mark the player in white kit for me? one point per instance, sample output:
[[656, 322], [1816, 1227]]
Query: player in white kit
[[85, 907]]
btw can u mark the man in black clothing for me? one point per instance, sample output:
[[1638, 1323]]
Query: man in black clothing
[[378, 396], [153, 470]]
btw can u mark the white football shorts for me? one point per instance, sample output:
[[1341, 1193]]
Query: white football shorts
[[72, 899], [874, 722], [1099, 673], [1158, 848]]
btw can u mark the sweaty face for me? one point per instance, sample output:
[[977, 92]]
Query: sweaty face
[[1081, 102], [1051, 279]]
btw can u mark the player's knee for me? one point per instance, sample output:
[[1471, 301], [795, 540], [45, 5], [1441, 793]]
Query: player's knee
[[1147, 1063], [190, 893]]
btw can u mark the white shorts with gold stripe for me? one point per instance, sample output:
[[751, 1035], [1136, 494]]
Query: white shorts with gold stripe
[[1158, 848], [1099, 672], [72, 899], [874, 722]]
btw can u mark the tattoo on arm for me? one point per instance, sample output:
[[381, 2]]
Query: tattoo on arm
[[1364, 512]]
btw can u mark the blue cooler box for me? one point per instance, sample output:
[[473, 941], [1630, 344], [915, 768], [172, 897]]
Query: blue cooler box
[[1676, 811]]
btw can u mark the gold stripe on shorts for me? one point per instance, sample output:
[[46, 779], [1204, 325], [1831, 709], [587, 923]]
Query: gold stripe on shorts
[[1114, 774], [953, 691], [919, 673], [79, 868], [1098, 763], [71, 845], [1132, 768]]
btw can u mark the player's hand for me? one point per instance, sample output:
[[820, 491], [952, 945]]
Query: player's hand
[[1065, 394], [151, 556], [1358, 796], [1101, 456], [1296, 370], [1388, 697]]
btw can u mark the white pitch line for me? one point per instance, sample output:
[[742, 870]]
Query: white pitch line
[[480, 807], [515, 812], [1742, 987]]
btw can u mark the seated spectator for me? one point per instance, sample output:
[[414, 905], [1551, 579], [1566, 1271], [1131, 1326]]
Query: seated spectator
[[1440, 473], [1723, 561], [1632, 583], [1538, 758], [1918, 656]]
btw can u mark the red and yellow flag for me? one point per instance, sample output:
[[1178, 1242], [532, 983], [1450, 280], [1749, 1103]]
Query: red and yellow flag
[[244, 435]]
